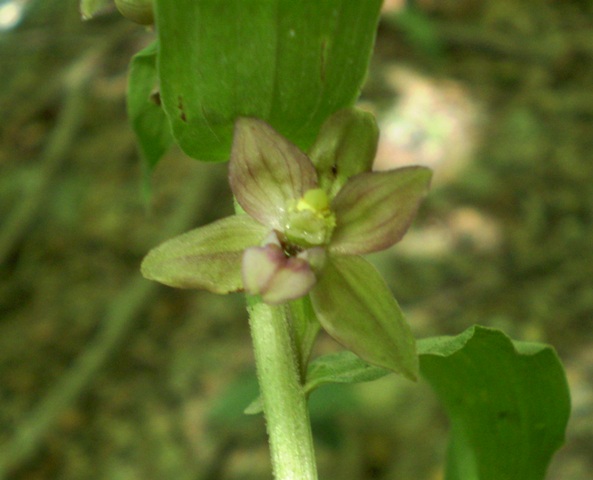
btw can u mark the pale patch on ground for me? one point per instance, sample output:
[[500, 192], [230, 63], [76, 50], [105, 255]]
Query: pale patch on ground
[[434, 123]]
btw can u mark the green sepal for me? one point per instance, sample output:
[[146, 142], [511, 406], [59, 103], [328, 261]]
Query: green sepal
[[147, 117], [207, 258], [374, 210], [355, 307], [267, 172], [346, 145]]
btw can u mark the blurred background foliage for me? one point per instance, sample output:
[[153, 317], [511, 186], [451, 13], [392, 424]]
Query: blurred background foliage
[[106, 376]]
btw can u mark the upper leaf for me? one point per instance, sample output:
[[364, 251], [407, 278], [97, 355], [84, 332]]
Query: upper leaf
[[289, 63], [374, 210]]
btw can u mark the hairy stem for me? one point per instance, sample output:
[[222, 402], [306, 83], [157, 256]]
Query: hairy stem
[[285, 406]]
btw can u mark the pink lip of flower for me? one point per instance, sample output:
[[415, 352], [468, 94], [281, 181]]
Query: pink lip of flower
[[368, 212], [268, 271]]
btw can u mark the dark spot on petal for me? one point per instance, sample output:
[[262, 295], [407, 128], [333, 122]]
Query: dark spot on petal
[[289, 249]]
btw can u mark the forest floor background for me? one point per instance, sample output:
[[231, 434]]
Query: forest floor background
[[104, 375]]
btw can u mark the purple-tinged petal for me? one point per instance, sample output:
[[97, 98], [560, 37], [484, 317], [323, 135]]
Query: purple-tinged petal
[[207, 258], [292, 281], [260, 264], [356, 308], [277, 278], [374, 210], [267, 172]]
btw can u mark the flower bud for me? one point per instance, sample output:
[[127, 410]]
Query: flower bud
[[138, 11], [346, 145]]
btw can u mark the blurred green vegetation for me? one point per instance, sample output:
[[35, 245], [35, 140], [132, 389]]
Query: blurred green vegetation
[[532, 174], [147, 402]]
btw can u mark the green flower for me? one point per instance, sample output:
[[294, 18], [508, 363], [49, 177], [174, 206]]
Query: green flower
[[308, 219]]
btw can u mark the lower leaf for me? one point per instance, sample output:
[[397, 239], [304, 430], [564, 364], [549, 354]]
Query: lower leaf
[[508, 403]]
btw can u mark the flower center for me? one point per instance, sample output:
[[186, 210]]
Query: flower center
[[309, 221]]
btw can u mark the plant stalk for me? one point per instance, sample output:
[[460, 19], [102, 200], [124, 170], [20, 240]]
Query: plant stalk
[[284, 402]]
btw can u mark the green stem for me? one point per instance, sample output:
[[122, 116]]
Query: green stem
[[285, 405]]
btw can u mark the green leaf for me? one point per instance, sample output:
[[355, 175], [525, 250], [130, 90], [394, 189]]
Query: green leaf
[[148, 119], [346, 145], [508, 403], [207, 258], [341, 367], [289, 63], [354, 305], [374, 210]]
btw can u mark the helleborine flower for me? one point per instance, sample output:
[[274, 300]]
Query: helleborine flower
[[307, 221]]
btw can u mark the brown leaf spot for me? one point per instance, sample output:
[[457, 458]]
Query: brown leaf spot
[[180, 107], [155, 97]]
